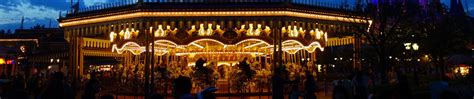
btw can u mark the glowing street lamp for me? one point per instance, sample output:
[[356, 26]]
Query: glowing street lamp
[[407, 46], [415, 46]]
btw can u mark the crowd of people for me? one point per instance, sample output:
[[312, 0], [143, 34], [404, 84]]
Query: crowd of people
[[38, 86], [291, 79]]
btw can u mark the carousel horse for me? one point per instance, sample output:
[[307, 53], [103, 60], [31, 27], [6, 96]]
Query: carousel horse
[[203, 75]]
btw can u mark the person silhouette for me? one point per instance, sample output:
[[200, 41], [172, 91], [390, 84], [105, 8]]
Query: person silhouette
[[245, 67], [92, 88], [340, 91], [200, 63], [182, 88], [58, 88], [310, 86]]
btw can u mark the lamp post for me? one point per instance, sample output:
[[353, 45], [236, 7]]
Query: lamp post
[[413, 47]]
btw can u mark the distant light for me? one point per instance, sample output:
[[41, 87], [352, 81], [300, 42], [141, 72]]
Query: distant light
[[22, 49], [407, 46], [49, 67], [415, 46], [57, 60], [2, 61], [333, 65], [390, 57], [319, 67], [340, 58], [426, 56], [10, 62], [418, 60], [335, 58], [52, 60]]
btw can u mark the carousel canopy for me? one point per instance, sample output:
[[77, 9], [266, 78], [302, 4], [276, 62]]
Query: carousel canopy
[[252, 39]]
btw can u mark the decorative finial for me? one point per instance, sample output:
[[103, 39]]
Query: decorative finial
[[22, 20]]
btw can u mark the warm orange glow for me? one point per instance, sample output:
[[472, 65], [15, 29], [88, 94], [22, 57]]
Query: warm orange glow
[[340, 41], [9, 62], [289, 46], [463, 70], [2, 61], [82, 21]]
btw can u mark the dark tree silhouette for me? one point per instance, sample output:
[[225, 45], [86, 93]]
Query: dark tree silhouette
[[9, 31], [446, 34], [391, 25]]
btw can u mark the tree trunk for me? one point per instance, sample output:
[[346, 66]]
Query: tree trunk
[[383, 64], [442, 67], [383, 70]]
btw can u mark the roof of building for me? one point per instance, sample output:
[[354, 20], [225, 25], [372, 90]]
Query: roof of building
[[206, 5]]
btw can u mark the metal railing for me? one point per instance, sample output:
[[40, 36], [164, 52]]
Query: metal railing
[[314, 3]]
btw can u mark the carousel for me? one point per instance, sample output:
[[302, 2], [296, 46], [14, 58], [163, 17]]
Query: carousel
[[236, 45], [252, 44]]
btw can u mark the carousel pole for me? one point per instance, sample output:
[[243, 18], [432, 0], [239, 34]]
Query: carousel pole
[[260, 59], [268, 57], [152, 61], [265, 58], [286, 57], [292, 58], [166, 73], [303, 56], [298, 58], [207, 51], [274, 73], [159, 66], [280, 47], [147, 63], [295, 58]]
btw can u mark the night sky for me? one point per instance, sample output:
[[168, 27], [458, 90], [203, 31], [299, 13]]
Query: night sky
[[44, 11]]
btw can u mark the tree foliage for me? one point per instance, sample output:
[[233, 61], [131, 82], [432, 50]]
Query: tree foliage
[[446, 34], [390, 25]]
